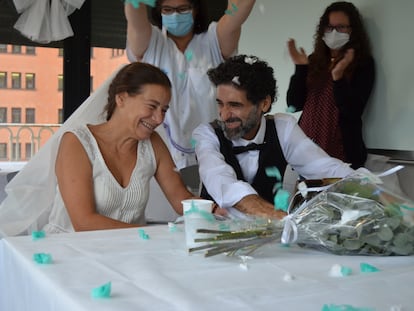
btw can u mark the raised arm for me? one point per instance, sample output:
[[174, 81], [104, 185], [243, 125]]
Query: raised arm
[[351, 96], [296, 94], [167, 176], [138, 29], [74, 175], [229, 25]]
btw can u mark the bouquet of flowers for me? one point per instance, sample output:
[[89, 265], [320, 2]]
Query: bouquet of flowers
[[354, 216]]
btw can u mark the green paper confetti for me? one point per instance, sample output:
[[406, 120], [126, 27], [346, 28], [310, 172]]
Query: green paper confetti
[[281, 200], [233, 9], [407, 207], [172, 227], [142, 234], [290, 109], [346, 271], [332, 307], [103, 291], [273, 172], [189, 55], [194, 209], [193, 143], [181, 75], [36, 235], [365, 267], [135, 3], [42, 258], [224, 227]]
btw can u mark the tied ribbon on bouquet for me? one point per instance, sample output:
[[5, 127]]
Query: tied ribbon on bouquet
[[353, 216]]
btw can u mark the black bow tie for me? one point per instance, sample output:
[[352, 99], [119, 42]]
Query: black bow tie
[[251, 146]]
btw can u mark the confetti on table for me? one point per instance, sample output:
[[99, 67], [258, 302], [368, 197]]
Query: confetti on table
[[103, 291], [288, 277], [36, 235], [332, 307], [42, 258], [243, 265], [339, 271], [365, 267], [224, 227], [172, 227], [142, 234]]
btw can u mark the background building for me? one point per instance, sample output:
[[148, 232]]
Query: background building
[[31, 88]]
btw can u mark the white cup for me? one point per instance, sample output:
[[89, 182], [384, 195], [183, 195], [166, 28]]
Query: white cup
[[195, 220]]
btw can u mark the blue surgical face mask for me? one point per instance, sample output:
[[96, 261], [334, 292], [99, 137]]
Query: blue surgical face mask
[[178, 24]]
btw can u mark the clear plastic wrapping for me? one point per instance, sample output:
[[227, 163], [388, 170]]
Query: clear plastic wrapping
[[354, 216]]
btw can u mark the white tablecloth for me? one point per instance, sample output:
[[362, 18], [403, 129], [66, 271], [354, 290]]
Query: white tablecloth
[[159, 274]]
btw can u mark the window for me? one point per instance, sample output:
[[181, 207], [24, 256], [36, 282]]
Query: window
[[118, 52], [60, 116], [30, 50], [16, 115], [16, 80], [16, 152], [3, 151], [30, 81], [60, 82], [16, 49], [3, 48], [28, 151], [30, 115], [3, 115], [3, 80]]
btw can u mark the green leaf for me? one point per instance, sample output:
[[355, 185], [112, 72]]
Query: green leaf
[[385, 233]]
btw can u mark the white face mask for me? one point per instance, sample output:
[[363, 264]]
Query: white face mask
[[335, 40]]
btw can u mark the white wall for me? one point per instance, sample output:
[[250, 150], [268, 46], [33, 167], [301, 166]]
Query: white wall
[[389, 117]]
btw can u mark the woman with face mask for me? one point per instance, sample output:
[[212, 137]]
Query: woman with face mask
[[332, 86], [182, 44]]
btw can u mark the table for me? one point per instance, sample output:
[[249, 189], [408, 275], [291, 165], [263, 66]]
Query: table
[[159, 274]]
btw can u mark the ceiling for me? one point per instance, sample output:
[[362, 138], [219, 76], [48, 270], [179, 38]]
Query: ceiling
[[108, 24]]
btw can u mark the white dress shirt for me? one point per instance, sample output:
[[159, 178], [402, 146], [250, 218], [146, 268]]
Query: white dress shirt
[[220, 179]]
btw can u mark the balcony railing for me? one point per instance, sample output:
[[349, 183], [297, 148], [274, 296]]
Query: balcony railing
[[20, 141]]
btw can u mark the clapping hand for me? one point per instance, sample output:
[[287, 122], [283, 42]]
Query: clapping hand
[[339, 69], [299, 57]]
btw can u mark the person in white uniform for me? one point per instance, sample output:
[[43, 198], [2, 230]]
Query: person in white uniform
[[184, 46], [95, 175], [234, 151]]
